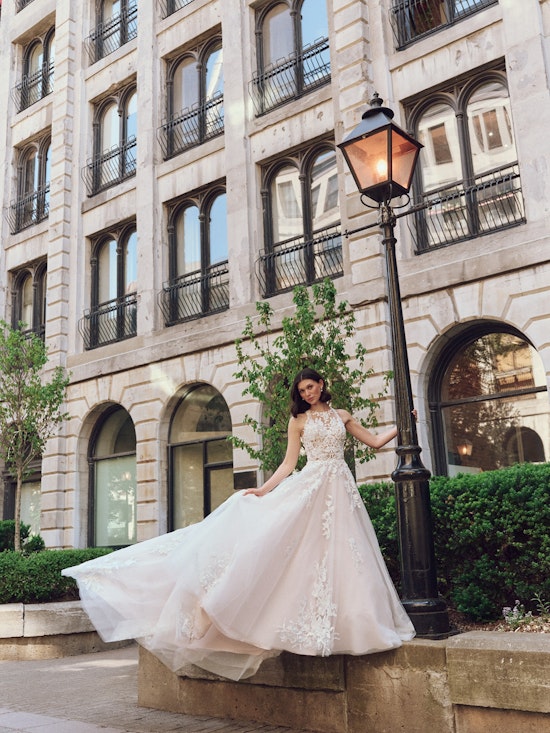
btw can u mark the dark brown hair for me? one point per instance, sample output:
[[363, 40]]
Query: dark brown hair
[[299, 405]]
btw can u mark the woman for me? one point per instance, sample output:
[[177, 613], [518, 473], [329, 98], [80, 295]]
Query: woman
[[292, 565]]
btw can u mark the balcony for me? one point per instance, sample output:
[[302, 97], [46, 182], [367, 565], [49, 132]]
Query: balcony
[[291, 78], [114, 320], [111, 167], [29, 209], [169, 7], [411, 19], [192, 127], [196, 294], [34, 87], [300, 262], [113, 33], [493, 202]]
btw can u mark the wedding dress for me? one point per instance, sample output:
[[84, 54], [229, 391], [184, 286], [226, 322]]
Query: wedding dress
[[298, 569]]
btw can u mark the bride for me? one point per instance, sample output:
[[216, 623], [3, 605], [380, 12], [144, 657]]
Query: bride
[[292, 565]]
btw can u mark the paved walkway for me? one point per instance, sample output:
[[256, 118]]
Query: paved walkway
[[93, 693]]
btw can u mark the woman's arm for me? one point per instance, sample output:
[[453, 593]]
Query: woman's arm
[[363, 435], [289, 462]]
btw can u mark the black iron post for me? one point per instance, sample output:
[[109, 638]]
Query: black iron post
[[427, 610]]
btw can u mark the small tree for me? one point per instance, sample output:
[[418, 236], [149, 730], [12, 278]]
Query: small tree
[[316, 335], [30, 406]]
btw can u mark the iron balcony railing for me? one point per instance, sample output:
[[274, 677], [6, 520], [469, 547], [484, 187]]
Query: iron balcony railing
[[195, 294], [492, 202], [29, 209], [113, 33], [169, 7], [34, 87], [291, 78], [192, 127], [20, 4], [411, 19], [301, 262], [111, 167], [114, 320]]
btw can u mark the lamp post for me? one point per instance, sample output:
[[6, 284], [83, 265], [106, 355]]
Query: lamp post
[[382, 159]]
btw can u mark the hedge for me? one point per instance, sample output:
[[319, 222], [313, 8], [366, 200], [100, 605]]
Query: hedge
[[491, 536], [37, 578]]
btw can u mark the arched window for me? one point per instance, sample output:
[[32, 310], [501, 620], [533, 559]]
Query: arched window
[[29, 298], [112, 460], [113, 313], [489, 403], [116, 25], [195, 98], [200, 456], [302, 221], [293, 51], [198, 282], [468, 169], [38, 70], [32, 204], [115, 144]]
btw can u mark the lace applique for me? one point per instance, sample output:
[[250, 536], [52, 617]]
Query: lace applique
[[312, 488], [355, 554], [314, 627], [211, 574], [355, 500], [94, 579], [191, 625], [324, 435], [328, 515]]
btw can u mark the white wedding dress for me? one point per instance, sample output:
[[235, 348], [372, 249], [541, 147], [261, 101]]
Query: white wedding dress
[[298, 569]]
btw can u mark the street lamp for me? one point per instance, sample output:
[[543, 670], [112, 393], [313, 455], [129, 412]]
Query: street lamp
[[382, 159]]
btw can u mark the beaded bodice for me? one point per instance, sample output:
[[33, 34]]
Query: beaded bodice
[[324, 435]]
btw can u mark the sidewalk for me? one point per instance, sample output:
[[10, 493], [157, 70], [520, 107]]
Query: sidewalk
[[93, 693]]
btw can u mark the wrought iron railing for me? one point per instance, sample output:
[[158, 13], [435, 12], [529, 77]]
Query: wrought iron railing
[[111, 167], [493, 201], [411, 19], [33, 87], [196, 294], [113, 33], [300, 262], [29, 209], [192, 127], [169, 7], [20, 4], [291, 78], [114, 320]]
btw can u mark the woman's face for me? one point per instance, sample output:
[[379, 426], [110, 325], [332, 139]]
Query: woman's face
[[310, 390]]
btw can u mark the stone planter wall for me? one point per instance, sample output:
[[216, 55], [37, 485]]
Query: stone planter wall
[[47, 631]]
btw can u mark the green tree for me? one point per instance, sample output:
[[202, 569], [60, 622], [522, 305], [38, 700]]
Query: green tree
[[317, 335], [30, 406]]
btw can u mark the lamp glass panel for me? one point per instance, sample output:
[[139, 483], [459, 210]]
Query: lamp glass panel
[[404, 153], [368, 159]]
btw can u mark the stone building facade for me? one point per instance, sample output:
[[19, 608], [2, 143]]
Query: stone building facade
[[167, 164]]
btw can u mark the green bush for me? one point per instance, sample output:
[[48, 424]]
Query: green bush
[[35, 543], [491, 536], [36, 578]]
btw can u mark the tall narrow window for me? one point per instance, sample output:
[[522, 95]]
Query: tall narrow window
[[112, 459], [32, 204], [195, 99], [200, 456], [38, 71], [116, 25], [198, 282], [29, 298], [301, 221], [293, 52]]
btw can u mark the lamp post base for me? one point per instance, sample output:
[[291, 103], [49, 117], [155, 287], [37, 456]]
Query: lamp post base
[[429, 617]]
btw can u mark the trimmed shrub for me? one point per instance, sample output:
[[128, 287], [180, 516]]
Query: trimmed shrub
[[34, 543], [37, 578], [491, 536]]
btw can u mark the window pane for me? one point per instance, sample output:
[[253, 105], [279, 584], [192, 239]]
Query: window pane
[[110, 9], [110, 130], [218, 231], [30, 505], [202, 414], [117, 435], [188, 494], [324, 191], [437, 131], [278, 35], [186, 86], [286, 202], [131, 117], [26, 302], [30, 173], [314, 21], [35, 59], [188, 241], [107, 271], [491, 139], [130, 264], [115, 501], [214, 74], [221, 486]]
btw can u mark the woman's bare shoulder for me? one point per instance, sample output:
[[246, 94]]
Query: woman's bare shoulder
[[344, 415]]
